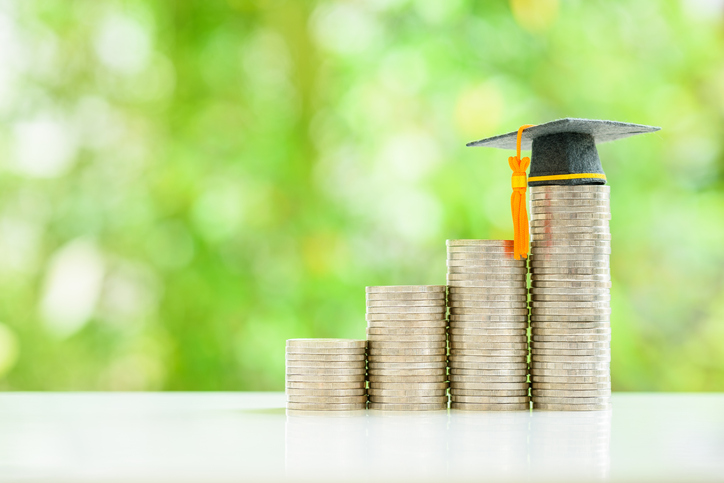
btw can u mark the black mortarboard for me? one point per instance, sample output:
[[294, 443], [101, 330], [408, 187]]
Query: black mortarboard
[[564, 151]]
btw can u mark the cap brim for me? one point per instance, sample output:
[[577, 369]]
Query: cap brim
[[602, 131]]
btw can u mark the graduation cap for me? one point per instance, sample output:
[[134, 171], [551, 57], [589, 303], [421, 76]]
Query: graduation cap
[[563, 153]]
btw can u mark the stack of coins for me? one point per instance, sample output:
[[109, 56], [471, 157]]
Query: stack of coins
[[326, 374], [488, 326], [570, 297], [407, 339]]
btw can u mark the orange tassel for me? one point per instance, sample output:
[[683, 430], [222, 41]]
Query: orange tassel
[[521, 241]]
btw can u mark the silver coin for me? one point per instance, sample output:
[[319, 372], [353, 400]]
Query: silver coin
[[569, 373], [324, 378], [569, 365], [490, 399], [409, 399], [583, 216], [324, 407], [323, 371], [518, 284], [492, 393], [487, 327], [408, 393], [484, 270], [489, 352], [569, 359], [569, 194], [488, 298], [311, 366], [405, 288], [504, 276], [326, 385], [405, 296], [571, 400], [569, 321], [485, 339], [441, 338], [549, 305], [473, 242], [405, 318], [489, 407], [408, 407], [482, 311], [327, 343], [577, 407], [456, 374], [473, 381], [538, 311], [454, 344], [406, 372], [488, 291], [542, 252], [571, 298], [575, 267], [406, 365], [463, 259], [566, 379], [596, 223], [569, 278], [549, 270], [571, 342], [325, 357], [456, 360], [571, 284], [569, 202], [456, 331], [565, 206], [501, 383], [325, 392], [327, 399], [486, 304], [406, 330], [417, 344], [571, 254], [496, 319], [406, 310], [568, 238], [417, 386], [572, 387], [412, 351], [492, 252], [570, 393], [407, 379], [571, 335], [572, 291], [577, 355], [571, 261], [454, 364], [407, 324], [406, 303], [408, 359]]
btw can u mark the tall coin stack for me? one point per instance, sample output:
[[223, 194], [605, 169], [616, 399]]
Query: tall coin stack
[[326, 374], [488, 326], [570, 297], [407, 340]]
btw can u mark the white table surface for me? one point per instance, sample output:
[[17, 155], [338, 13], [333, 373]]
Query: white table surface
[[150, 437]]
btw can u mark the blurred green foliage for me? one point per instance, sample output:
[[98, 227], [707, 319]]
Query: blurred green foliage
[[187, 184]]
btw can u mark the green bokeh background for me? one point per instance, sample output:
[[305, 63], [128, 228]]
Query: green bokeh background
[[184, 185]]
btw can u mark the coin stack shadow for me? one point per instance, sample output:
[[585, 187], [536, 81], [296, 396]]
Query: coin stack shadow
[[407, 340], [325, 374], [570, 297], [488, 326]]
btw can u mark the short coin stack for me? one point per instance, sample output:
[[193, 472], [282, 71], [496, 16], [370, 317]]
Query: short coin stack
[[407, 340], [488, 326], [326, 374], [570, 297]]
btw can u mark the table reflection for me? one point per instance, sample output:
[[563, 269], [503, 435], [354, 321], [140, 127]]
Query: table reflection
[[499, 445]]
